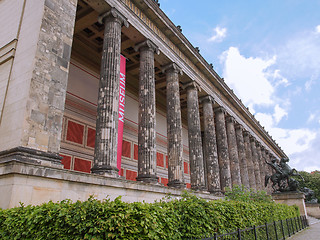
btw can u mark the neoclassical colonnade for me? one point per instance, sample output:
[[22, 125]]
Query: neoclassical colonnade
[[227, 154]]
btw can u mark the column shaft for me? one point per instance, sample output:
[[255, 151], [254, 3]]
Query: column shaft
[[194, 136], [270, 171], [252, 178], [222, 146], [210, 146], [255, 160], [260, 163], [233, 151], [105, 155], [147, 165], [264, 166], [242, 156], [174, 127]]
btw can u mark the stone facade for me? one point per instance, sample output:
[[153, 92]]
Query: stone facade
[[59, 99]]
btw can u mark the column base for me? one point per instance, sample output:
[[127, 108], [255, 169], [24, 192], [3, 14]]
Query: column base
[[216, 192], [177, 184], [147, 178], [199, 188], [33, 156], [105, 170]]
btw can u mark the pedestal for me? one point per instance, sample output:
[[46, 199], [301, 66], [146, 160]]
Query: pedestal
[[291, 198], [313, 210]]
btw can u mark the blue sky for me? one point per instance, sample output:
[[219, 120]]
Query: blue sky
[[269, 54]]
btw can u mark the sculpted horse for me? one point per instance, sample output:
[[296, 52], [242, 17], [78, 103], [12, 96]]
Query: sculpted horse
[[282, 176]]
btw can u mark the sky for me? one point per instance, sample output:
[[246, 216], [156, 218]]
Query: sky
[[268, 52]]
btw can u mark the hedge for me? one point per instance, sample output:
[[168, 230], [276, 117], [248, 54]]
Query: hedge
[[182, 218]]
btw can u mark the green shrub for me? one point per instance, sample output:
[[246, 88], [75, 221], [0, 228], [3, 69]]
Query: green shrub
[[241, 193], [181, 218]]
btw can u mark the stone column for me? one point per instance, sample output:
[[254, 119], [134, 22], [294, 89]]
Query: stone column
[[260, 163], [194, 136], [242, 156], [174, 127], [147, 164], [252, 178], [222, 145], [264, 166], [105, 154], [255, 161], [233, 151], [210, 146]]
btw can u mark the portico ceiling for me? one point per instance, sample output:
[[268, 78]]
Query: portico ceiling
[[87, 49]]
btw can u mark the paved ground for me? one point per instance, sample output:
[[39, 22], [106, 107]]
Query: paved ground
[[311, 233]]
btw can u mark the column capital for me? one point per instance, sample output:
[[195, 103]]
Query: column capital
[[113, 13], [258, 144], [206, 98], [252, 139], [147, 44], [246, 133], [262, 148], [231, 119], [238, 126], [191, 84], [220, 109], [172, 67]]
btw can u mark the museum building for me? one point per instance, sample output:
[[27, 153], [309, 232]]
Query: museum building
[[109, 98]]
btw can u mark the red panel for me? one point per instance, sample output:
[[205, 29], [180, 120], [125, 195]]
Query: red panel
[[188, 185], [160, 162], [164, 181], [126, 149], [186, 168], [82, 165], [166, 161], [75, 132], [131, 175], [121, 172], [66, 161], [91, 137], [135, 152]]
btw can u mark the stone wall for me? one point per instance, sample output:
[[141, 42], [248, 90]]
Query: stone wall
[[35, 184], [33, 117]]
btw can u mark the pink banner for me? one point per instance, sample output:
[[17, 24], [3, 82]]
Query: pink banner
[[122, 91]]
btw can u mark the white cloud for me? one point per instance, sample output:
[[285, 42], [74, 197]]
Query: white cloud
[[292, 140], [279, 113], [318, 29], [219, 34], [308, 84], [309, 159], [248, 77], [256, 82], [311, 118]]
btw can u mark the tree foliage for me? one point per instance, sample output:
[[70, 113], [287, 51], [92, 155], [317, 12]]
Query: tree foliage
[[181, 218]]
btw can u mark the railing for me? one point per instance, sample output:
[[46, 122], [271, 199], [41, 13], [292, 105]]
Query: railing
[[276, 230]]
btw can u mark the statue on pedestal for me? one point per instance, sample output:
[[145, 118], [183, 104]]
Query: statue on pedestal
[[281, 179]]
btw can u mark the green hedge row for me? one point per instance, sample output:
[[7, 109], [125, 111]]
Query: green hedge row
[[168, 219]]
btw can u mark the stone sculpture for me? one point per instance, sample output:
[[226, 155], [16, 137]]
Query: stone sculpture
[[309, 195], [281, 179]]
